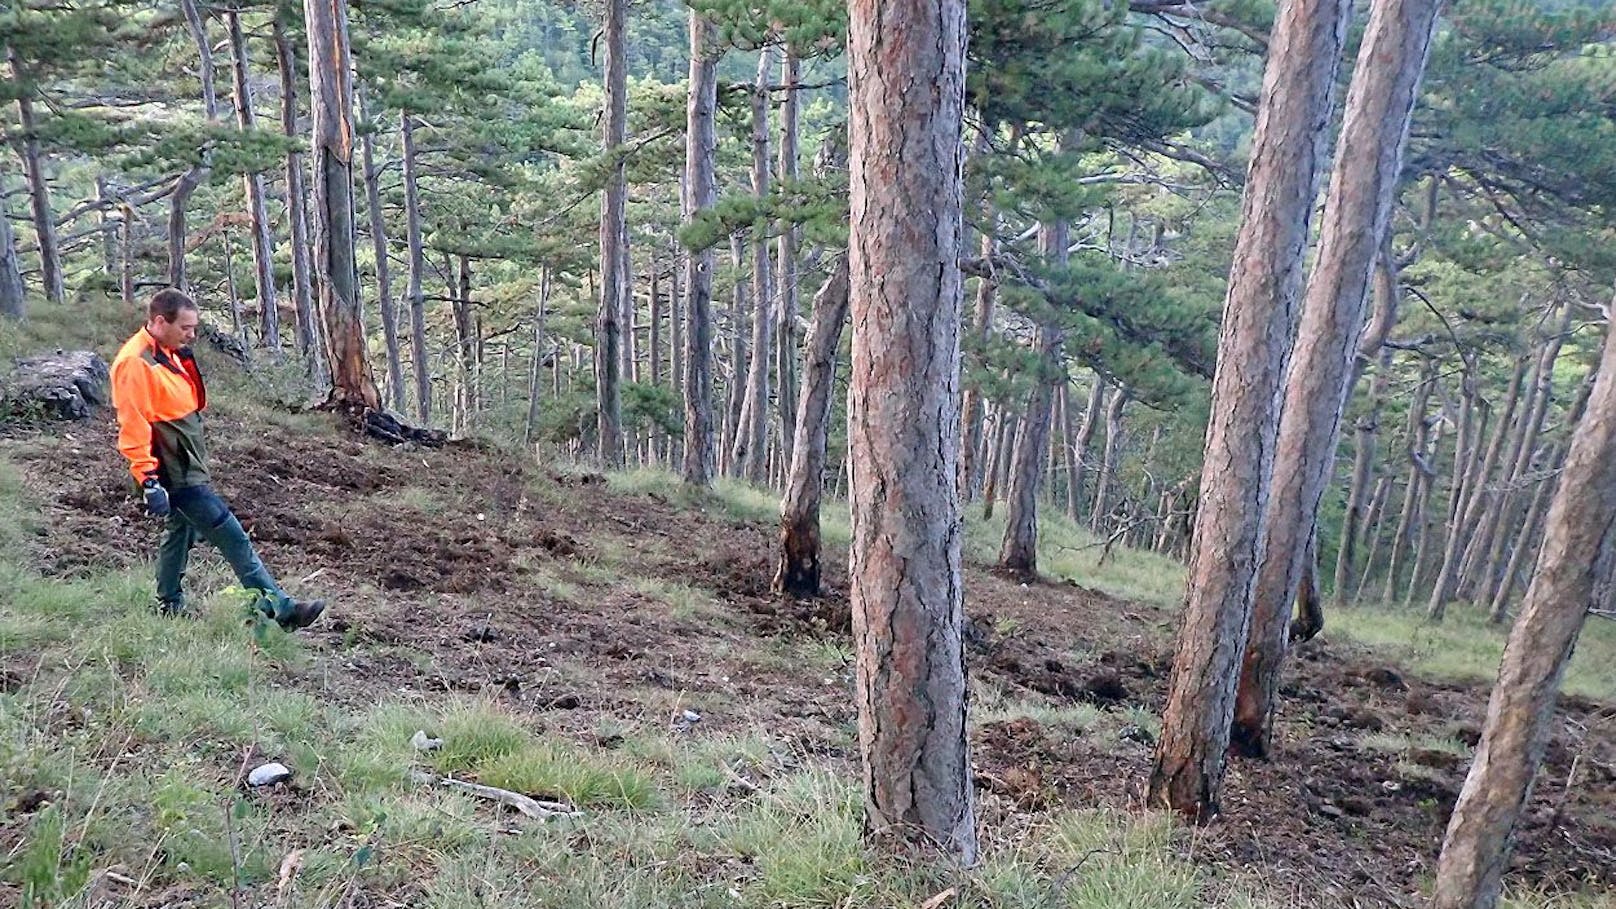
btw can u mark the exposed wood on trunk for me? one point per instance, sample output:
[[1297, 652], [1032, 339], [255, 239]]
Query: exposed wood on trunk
[[798, 572]]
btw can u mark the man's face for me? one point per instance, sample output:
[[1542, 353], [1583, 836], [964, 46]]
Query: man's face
[[179, 332]]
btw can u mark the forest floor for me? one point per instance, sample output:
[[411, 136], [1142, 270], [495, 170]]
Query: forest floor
[[610, 641]]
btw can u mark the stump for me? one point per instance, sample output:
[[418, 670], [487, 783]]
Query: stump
[[67, 385]]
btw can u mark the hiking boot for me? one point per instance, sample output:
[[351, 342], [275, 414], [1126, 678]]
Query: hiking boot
[[299, 614], [172, 608]]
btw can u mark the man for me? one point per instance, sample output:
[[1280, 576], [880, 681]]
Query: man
[[158, 392]]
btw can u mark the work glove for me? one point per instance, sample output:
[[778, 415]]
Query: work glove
[[156, 498]]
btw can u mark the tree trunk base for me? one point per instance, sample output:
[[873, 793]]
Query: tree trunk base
[[798, 574], [384, 426], [59, 386]]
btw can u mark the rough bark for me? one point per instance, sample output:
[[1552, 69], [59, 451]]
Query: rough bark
[[700, 189], [1072, 464], [263, 241], [752, 440], [1357, 214], [1473, 536], [799, 569], [735, 387], [296, 196], [906, 64], [1520, 713], [335, 239], [608, 328], [197, 172], [465, 342], [1005, 437], [419, 355], [27, 144], [1287, 148]]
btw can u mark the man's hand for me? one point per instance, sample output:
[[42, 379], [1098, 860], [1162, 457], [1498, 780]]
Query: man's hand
[[156, 498]]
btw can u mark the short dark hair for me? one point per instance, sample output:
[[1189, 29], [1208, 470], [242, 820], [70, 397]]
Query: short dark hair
[[168, 302]]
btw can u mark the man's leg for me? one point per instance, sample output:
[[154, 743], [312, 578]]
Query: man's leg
[[172, 557], [215, 523]]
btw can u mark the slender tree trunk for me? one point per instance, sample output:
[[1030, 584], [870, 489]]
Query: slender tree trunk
[[1019, 551], [465, 339], [700, 145], [1073, 464], [752, 440], [415, 292], [903, 420], [1373, 530], [608, 329], [237, 327], [972, 451], [786, 370], [1577, 551], [1293, 116], [1498, 608], [1476, 536], [530, 425], [296, 208], [384, 281], [738, 368], [198, 172], [1416, 436], [126, 240], [1000, 458], [1096, 405], [263, 242], [13, 298], [331, 91], [1108, 461], [798, 571]]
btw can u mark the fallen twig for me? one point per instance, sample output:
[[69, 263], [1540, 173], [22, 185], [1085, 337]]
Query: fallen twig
[[533, 808]]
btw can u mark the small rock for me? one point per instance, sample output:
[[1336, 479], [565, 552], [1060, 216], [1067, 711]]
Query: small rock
[[565, 702], [690, 716], [423, 742], [1136, 733], [269, 775], [1329, 810]]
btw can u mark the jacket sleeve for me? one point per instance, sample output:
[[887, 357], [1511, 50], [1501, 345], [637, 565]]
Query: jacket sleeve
[[131, 396]]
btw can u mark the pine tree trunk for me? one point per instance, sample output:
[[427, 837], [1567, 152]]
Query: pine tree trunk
[[13, 298], [296, 197], [998, 459], [384, 281], [1373, 531], [1498, 607], [1077, 492], [700, 144], [1019, 551], [1578, 546], [1292, 125], [465, 341], [1068, 439], [412, 232], [126, 242], [263, 242], [50, 261], [752, 440], [786, 370], [738, 369], [198, 172], [972, 450], [1484, 495], [1415, 435], [1442, 582], [335, 239], [903, 421], [530, 425], [238, 328], [799, 570], [1098, 519], [1357, 214], [608, 329]]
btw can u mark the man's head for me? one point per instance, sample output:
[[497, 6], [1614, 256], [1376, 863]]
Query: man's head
[[172, 318]]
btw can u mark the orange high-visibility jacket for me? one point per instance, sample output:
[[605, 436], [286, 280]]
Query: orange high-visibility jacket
[[159, 396]]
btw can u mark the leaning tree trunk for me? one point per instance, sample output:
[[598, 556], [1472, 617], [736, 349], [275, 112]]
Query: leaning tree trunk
[[1357, 214], [1075, 489], [1005, 437], [263, 242], [1304, 54], [50, 260], [608, 328], [1462, 546], [1459, 487], [1106, 476], [1415, 439], [751, 452], [335, 267], [798, 571], [384, 280], [903, 420], [700, 191], [13, 298], [296, 208], [1578, 545]]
